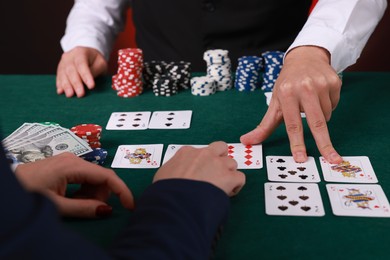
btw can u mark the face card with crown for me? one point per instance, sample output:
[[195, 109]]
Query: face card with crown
[[365, 200], [356, 169], [138, 156]]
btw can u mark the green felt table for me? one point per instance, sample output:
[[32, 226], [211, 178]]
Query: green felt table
[[359, 126]]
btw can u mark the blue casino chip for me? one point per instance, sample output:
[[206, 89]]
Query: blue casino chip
[[97, 156]]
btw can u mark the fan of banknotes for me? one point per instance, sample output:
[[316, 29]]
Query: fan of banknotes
[[37, 141]]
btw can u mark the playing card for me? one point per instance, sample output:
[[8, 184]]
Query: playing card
[[138, 156], [171, 119], [284, 168], [293, 199], [173, 148], [128, 120], [246, 156], [365, 200], [356, 169]]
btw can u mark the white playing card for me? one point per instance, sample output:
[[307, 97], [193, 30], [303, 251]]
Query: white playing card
[[128, 120], [173, 148], [293, 199], [180, 119], [356, 169], [138, 156], [284, 168], [365, 200], [246, 156]]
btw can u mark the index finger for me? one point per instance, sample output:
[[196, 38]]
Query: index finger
[[271, 120], [85, 73], [317, 124]]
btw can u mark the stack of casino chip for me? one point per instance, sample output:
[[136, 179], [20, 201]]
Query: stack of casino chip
[[166, 79], [219, 68], [203, 86], [90, 133], [97, 156], [248, 73], [273, 62], [128, 80]]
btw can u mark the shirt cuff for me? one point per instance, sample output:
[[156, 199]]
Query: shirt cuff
[[342, 55]]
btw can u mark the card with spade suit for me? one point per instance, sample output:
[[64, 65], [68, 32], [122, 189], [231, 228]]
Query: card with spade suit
[[285, 169], [128, 120], [293, 199], [180, 119]]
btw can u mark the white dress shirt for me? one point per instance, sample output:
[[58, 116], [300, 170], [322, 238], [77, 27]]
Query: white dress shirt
[[342, 27]]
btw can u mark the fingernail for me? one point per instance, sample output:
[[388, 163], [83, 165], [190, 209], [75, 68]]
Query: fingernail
[[103, 211], [300, 157]]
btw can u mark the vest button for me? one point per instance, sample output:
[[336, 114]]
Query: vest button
[[209, 6]]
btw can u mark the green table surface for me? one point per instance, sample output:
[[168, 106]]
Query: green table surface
[[359, 126]]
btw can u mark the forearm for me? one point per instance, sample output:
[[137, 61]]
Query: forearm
[[342, 27], [174, 219], [94, 24]]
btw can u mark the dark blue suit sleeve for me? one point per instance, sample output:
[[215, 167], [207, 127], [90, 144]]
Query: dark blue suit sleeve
[[30, 227], [174, 219]]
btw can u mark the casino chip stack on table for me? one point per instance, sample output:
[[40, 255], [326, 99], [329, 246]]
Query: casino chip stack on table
[[128, 80], [91, 133], [167, 78], [248, 73], [219, 75], [273, 62]]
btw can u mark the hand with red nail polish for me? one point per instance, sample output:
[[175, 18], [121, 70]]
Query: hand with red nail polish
[[52, 175]]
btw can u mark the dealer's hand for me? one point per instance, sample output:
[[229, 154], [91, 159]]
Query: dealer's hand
[[307, 83], [77, 67]]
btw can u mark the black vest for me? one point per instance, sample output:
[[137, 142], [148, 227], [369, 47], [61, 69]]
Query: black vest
[[174, 30]]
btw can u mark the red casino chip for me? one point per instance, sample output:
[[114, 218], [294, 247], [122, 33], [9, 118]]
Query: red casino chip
[[128, 79], [87, 130]]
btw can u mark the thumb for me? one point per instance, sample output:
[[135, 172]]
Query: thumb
[[82, 208]]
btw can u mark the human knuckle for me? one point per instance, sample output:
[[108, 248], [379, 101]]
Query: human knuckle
[[286, 89], [318, 125], [293, 128], [326, 148]]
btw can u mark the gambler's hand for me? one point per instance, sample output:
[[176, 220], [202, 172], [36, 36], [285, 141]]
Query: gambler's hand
[[51, 176], [307, 83], [77, 67], [210, 164]]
